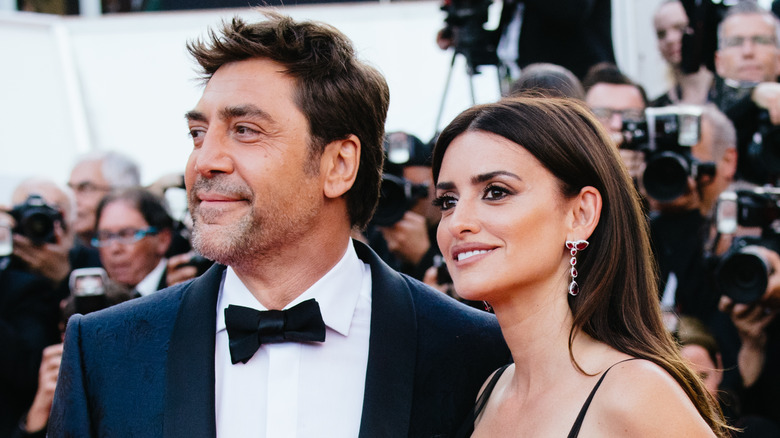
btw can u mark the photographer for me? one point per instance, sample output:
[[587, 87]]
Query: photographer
[[680, 223], [43, 241], [671, 23], [403, 230], [133, 233], [748, 63], [748, 275]]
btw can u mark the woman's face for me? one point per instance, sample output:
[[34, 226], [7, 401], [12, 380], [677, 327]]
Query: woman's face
[[504, 219]]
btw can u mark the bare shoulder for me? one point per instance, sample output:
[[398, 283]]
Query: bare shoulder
[[639, 398]]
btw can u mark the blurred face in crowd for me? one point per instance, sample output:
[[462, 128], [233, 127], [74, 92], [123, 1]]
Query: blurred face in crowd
[[500, 211], [89, 186], [701, 363], [424, 206], [613, 103], [748, 49], [126, 255], [725, 166], [670, 22], [252, 186]]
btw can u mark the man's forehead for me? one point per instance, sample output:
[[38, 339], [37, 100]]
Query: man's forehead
[[616, 96], [747, 24]]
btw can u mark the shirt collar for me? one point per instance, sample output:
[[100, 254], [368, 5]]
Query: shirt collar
[[151, 282], [336, 292]]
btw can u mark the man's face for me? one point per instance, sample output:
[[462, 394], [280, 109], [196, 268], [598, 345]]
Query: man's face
[[748, 49], [127, 260], [612, 103], [670, 23], [725, 166], [424, 206], [252, 186], [89, 187]]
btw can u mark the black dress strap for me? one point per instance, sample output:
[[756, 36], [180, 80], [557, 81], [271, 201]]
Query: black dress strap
[[467, 428], [575, 429]]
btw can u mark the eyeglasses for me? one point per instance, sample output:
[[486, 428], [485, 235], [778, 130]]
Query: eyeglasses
[[125, 236], [88, 187], [626, 114], [756, 40]]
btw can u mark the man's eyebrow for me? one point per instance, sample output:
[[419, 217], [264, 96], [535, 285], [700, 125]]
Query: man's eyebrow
[[232, 112], [195, 116]]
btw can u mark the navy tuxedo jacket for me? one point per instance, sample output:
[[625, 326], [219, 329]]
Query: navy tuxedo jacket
[[145, 368]]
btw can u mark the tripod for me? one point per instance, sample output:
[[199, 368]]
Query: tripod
[[471, 69]]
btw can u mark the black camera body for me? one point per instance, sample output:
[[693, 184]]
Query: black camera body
[[700, 43], [466, 20], [763, 153], [397, 196], [35, 220], [743, 273], [666, 136]]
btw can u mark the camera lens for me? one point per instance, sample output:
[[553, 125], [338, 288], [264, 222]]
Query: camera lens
[[38, 226], [666, 176], [743, 276]]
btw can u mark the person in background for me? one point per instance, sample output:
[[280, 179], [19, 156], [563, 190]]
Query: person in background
[[550, 80], [133, 233], [671, 23], [93, 176]]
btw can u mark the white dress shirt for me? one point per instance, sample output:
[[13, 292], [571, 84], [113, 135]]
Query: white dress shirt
[[151, 282], [295, 389]]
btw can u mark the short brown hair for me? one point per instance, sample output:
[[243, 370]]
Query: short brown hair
[[338, 94]]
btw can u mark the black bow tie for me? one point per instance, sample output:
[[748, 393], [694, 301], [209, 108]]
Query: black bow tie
[[249, 328]]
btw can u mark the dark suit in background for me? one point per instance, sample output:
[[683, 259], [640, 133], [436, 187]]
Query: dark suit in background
[[28, 323]]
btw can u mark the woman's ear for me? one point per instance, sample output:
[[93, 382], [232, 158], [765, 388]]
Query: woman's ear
[[339, 166], [586, 212]]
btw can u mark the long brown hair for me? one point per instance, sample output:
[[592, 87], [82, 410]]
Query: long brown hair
[[618, 302]]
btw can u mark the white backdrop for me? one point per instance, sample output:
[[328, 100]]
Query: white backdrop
[[71, 84]]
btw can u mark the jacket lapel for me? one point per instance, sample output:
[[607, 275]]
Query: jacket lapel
[[189, 391], [392, 352]]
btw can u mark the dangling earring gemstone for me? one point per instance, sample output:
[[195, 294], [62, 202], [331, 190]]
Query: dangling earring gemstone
[[574, 246]]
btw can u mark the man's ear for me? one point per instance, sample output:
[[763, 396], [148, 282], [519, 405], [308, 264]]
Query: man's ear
[[585, 213], [339, 166]]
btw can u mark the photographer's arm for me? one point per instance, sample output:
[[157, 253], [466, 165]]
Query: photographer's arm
[[751, 321], [767, 95], [49, 259]]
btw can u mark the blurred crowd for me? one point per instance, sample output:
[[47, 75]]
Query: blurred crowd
[[705, 155]]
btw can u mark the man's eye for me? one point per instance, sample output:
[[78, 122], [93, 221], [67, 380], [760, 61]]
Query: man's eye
[[196, 133]]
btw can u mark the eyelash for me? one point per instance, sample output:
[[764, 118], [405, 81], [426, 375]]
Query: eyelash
[[442, 202]]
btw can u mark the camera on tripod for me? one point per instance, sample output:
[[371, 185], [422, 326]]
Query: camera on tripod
[[743, 272], [35, 219], [666, 136], [466, 25]]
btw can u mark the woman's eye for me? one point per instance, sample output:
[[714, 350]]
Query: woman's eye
[[495, 192], [445, 202]]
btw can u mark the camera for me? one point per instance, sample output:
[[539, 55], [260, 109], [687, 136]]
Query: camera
[[666, 136], [35, 220], [743, 273], [201, 264], [88, 287], [466, 20], [763, 153], [397, 195], [701, 42]]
